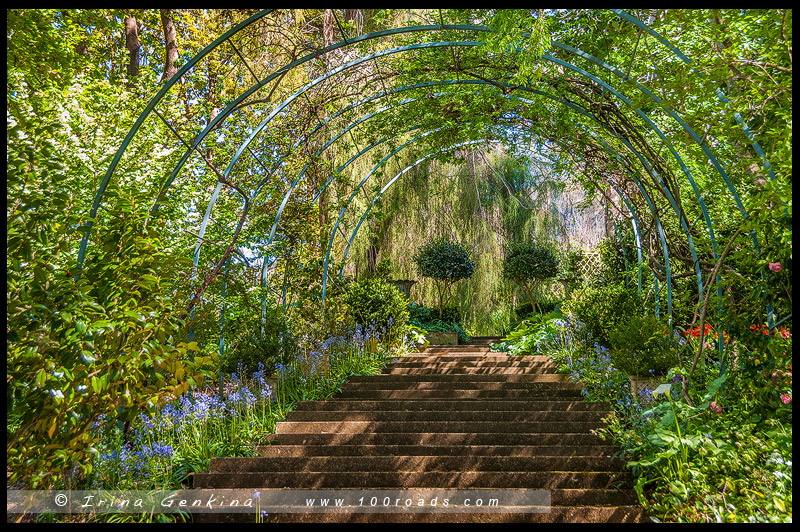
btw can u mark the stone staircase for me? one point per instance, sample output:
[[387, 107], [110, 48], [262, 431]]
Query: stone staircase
[[454, 417]]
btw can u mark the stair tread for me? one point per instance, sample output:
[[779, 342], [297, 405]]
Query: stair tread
[[447, 417]]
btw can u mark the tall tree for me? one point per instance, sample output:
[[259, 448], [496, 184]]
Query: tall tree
[[132, 28], [170, 44]]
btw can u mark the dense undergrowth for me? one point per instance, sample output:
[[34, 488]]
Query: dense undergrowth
[[722, 454]]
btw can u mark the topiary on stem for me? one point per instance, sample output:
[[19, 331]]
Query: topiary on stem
[[526, 264], [446, 263]]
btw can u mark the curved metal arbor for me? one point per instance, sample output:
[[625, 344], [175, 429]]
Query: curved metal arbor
[[351, 44]]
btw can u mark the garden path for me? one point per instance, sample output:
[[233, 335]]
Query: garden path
[[448, 418]]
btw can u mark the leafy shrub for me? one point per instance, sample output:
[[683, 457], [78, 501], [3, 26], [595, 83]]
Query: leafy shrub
[[446, 263], [642, 346], [378, 304], [106, 344], [533, 335], [544, 307], [615, 252], [528, 263], [425, 319], [250, 348], [421, 314], [602, 308]]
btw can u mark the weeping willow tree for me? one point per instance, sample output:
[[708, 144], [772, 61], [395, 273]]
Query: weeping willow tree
[[482, 198]]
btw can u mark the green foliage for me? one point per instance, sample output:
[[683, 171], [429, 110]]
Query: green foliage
[[378, 304], [534, 335], [425, 319], [615, 258], [603, 308], [420, 314], [105, 344], [527, 262], [444, 261], [691, 455], [643, 346], [569, 264], [524, 36], [250, 347]]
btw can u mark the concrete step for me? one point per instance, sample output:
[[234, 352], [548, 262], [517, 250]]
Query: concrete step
[[456, 349], [585, 416], [542, 382], [556, 514], [457, 379], [446, 405], [569, 438], [561, 393], [343, 464], [349, 427], [456, 355], [441, 362], [417, 479], [435, 450]]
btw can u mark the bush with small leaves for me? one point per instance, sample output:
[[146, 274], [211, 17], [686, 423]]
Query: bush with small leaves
[[446, 263], [526, 264]]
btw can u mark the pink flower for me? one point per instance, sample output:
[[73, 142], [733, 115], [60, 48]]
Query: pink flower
[[775, 267], [785, 334], [712, 406], [786, 398], [719, 409]]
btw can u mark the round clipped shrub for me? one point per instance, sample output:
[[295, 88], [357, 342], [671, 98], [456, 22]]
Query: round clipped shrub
[[378, 305], [526, 264], [603, 308], [446, 263], [643, 346]]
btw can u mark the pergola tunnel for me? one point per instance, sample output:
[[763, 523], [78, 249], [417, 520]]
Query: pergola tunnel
[[263, 85], [286, 175]]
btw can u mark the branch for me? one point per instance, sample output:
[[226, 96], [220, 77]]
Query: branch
[[209, 278], [705, 301]]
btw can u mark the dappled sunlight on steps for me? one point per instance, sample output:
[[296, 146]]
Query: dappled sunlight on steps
[[451, 417]]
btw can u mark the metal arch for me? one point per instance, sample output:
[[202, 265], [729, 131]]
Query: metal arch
[[449, 43], [657, 131], [632, 19], [649, 201], [297, 94], [632, 211], [358, 39], [333, 72], [691, 245], [139, 121], [720, 95], [353, 195], [664, 189]]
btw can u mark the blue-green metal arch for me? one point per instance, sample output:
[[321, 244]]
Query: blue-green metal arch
[[649, 201], [319, 52]]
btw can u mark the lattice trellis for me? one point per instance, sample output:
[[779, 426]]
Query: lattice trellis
[[589, 265]]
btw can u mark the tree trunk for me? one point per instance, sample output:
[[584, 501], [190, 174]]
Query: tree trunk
[[170, 44], [132, 44], [372, 256]]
